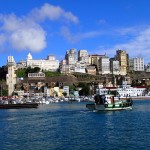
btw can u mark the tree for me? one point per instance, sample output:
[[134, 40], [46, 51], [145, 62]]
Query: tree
[[64, 93], [36, 70], [85, 89], [21, 73], [3, 72]]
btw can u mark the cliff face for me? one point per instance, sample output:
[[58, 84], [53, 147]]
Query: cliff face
[[66, 78]]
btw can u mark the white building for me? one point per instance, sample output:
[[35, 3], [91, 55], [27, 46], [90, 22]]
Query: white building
[[68, 64], [114, 67], [11, 76], [21, 64], [123, 91], [136, 64], [80, 67], [50, 64], [104, 65], [71, 57], [83, 56]]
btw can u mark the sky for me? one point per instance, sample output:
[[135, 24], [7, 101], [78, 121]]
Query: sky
[[51, 27]]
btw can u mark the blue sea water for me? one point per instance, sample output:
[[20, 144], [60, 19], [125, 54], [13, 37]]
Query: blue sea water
[[71, 126]]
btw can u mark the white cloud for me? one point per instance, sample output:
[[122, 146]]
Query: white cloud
[[22, 33], [2, 39], [30, 38], [48, 11], [137, 45], [101, 22], [26, 32]]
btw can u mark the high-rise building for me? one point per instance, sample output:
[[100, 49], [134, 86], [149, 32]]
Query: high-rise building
[[83, 56], [136, 64], [94, 60], [71, 57], [114, 66], [121, 56], [104, 65]]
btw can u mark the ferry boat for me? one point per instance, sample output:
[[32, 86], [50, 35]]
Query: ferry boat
[[109, 103]]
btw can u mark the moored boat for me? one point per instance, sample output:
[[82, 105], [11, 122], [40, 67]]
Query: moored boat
[[18, 106], [109, 103], [11, 104]]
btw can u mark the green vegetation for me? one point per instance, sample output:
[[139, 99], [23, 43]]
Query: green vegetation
[[64, 93], [21, 73], [5, 92], [85, 89], [3, 72], [32, 70], [24, 72], [51, 74]]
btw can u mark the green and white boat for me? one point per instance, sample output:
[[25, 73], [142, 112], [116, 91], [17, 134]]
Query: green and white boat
[[109, 103]]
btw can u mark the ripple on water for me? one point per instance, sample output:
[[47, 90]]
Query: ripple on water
[[73, 127]]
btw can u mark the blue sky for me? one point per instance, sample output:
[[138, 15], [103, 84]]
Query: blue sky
[[51, 27]]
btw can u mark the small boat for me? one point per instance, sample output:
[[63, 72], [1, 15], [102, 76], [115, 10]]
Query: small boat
[[109, 103], [11, 104], [18, 106]]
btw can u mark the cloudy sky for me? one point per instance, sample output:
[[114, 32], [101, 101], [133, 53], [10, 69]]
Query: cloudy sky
[[44, 27]]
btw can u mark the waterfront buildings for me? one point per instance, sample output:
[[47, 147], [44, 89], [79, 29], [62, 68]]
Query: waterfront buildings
[[123, 91]]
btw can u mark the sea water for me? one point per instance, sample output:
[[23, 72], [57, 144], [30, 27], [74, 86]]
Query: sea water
[[71, 126]]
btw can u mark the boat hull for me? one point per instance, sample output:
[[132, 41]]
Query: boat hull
[[18, 106], [95, 107]]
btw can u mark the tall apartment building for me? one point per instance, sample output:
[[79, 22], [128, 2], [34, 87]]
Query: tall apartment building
[[147, 67], [121, 56], [50, 64], [71, 60], [11, 76], [136, 64], [64, 67], [83, 56], [71, 57], [104, 65], [94, 60], [114, 66]]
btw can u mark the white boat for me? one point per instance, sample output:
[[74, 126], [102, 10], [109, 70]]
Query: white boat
[[109, 103]]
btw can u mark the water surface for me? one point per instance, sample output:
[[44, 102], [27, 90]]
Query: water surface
[[70, 126]]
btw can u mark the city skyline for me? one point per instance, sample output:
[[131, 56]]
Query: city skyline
[[52, 27]]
